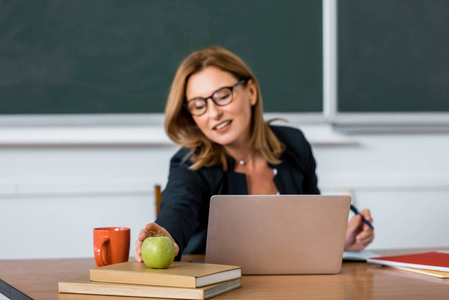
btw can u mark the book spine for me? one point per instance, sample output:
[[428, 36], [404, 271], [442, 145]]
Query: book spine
[[408, 265], [144, 279], [133, 291]]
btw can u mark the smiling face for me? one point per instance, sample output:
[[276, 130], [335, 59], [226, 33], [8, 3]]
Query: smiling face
[[227, 125]]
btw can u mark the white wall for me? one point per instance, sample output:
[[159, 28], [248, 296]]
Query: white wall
[[402, 178], [51, 197], [53, 193]]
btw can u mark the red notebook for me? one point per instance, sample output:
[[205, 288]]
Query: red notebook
[[435, 260]]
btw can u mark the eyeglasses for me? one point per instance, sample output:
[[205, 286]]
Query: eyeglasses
[[221, 97]]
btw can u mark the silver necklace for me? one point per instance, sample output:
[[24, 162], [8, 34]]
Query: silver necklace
[[243, 162]]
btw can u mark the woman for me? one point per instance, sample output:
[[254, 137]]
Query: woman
[[214, 111]]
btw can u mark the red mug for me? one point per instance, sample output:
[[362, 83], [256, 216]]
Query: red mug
[[111, 245]]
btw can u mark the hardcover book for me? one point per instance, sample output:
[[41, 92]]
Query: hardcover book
[[438, 274], [179, 274], [83, 285], [434, 260]]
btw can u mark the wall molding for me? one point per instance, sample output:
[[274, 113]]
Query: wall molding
[[139, 188], [140, 130]]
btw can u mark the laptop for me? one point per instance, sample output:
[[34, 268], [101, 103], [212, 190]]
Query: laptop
[[278, 234]]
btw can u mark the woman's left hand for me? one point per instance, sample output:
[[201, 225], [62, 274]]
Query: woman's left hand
[[358, 234]]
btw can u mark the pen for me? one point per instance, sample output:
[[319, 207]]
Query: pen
[[363, 218]]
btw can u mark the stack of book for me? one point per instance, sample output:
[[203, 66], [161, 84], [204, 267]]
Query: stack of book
[[182, 280], [434, 263]]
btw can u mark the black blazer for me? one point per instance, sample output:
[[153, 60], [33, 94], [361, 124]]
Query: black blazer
[[185, 206]]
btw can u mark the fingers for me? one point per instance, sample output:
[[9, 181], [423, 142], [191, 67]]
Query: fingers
[[137, 253], [176, 249], [367, 215], [359, 234], [151, 229], [356, 222], [360, 242], [365, 237]]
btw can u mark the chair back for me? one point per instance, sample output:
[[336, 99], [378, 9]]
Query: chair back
[[157, 198]]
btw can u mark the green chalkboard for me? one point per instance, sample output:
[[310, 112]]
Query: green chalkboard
[[106, 56], [393, 56]]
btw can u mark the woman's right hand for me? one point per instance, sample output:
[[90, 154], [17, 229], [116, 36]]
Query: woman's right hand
[[151, 229]]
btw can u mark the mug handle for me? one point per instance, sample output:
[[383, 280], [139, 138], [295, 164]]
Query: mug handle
[[100, 252]]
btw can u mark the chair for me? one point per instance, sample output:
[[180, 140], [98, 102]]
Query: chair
[[157, 198]]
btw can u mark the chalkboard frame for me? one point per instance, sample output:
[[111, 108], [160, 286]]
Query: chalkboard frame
[[330, 114], [364, 121], [119, 57]]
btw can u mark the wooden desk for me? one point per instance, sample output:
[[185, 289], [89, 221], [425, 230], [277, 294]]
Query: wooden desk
[[39, 280]]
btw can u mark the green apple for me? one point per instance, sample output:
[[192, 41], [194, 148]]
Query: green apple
[[158, 252]]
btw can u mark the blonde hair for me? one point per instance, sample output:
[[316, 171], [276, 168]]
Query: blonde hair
[[181, 128]]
